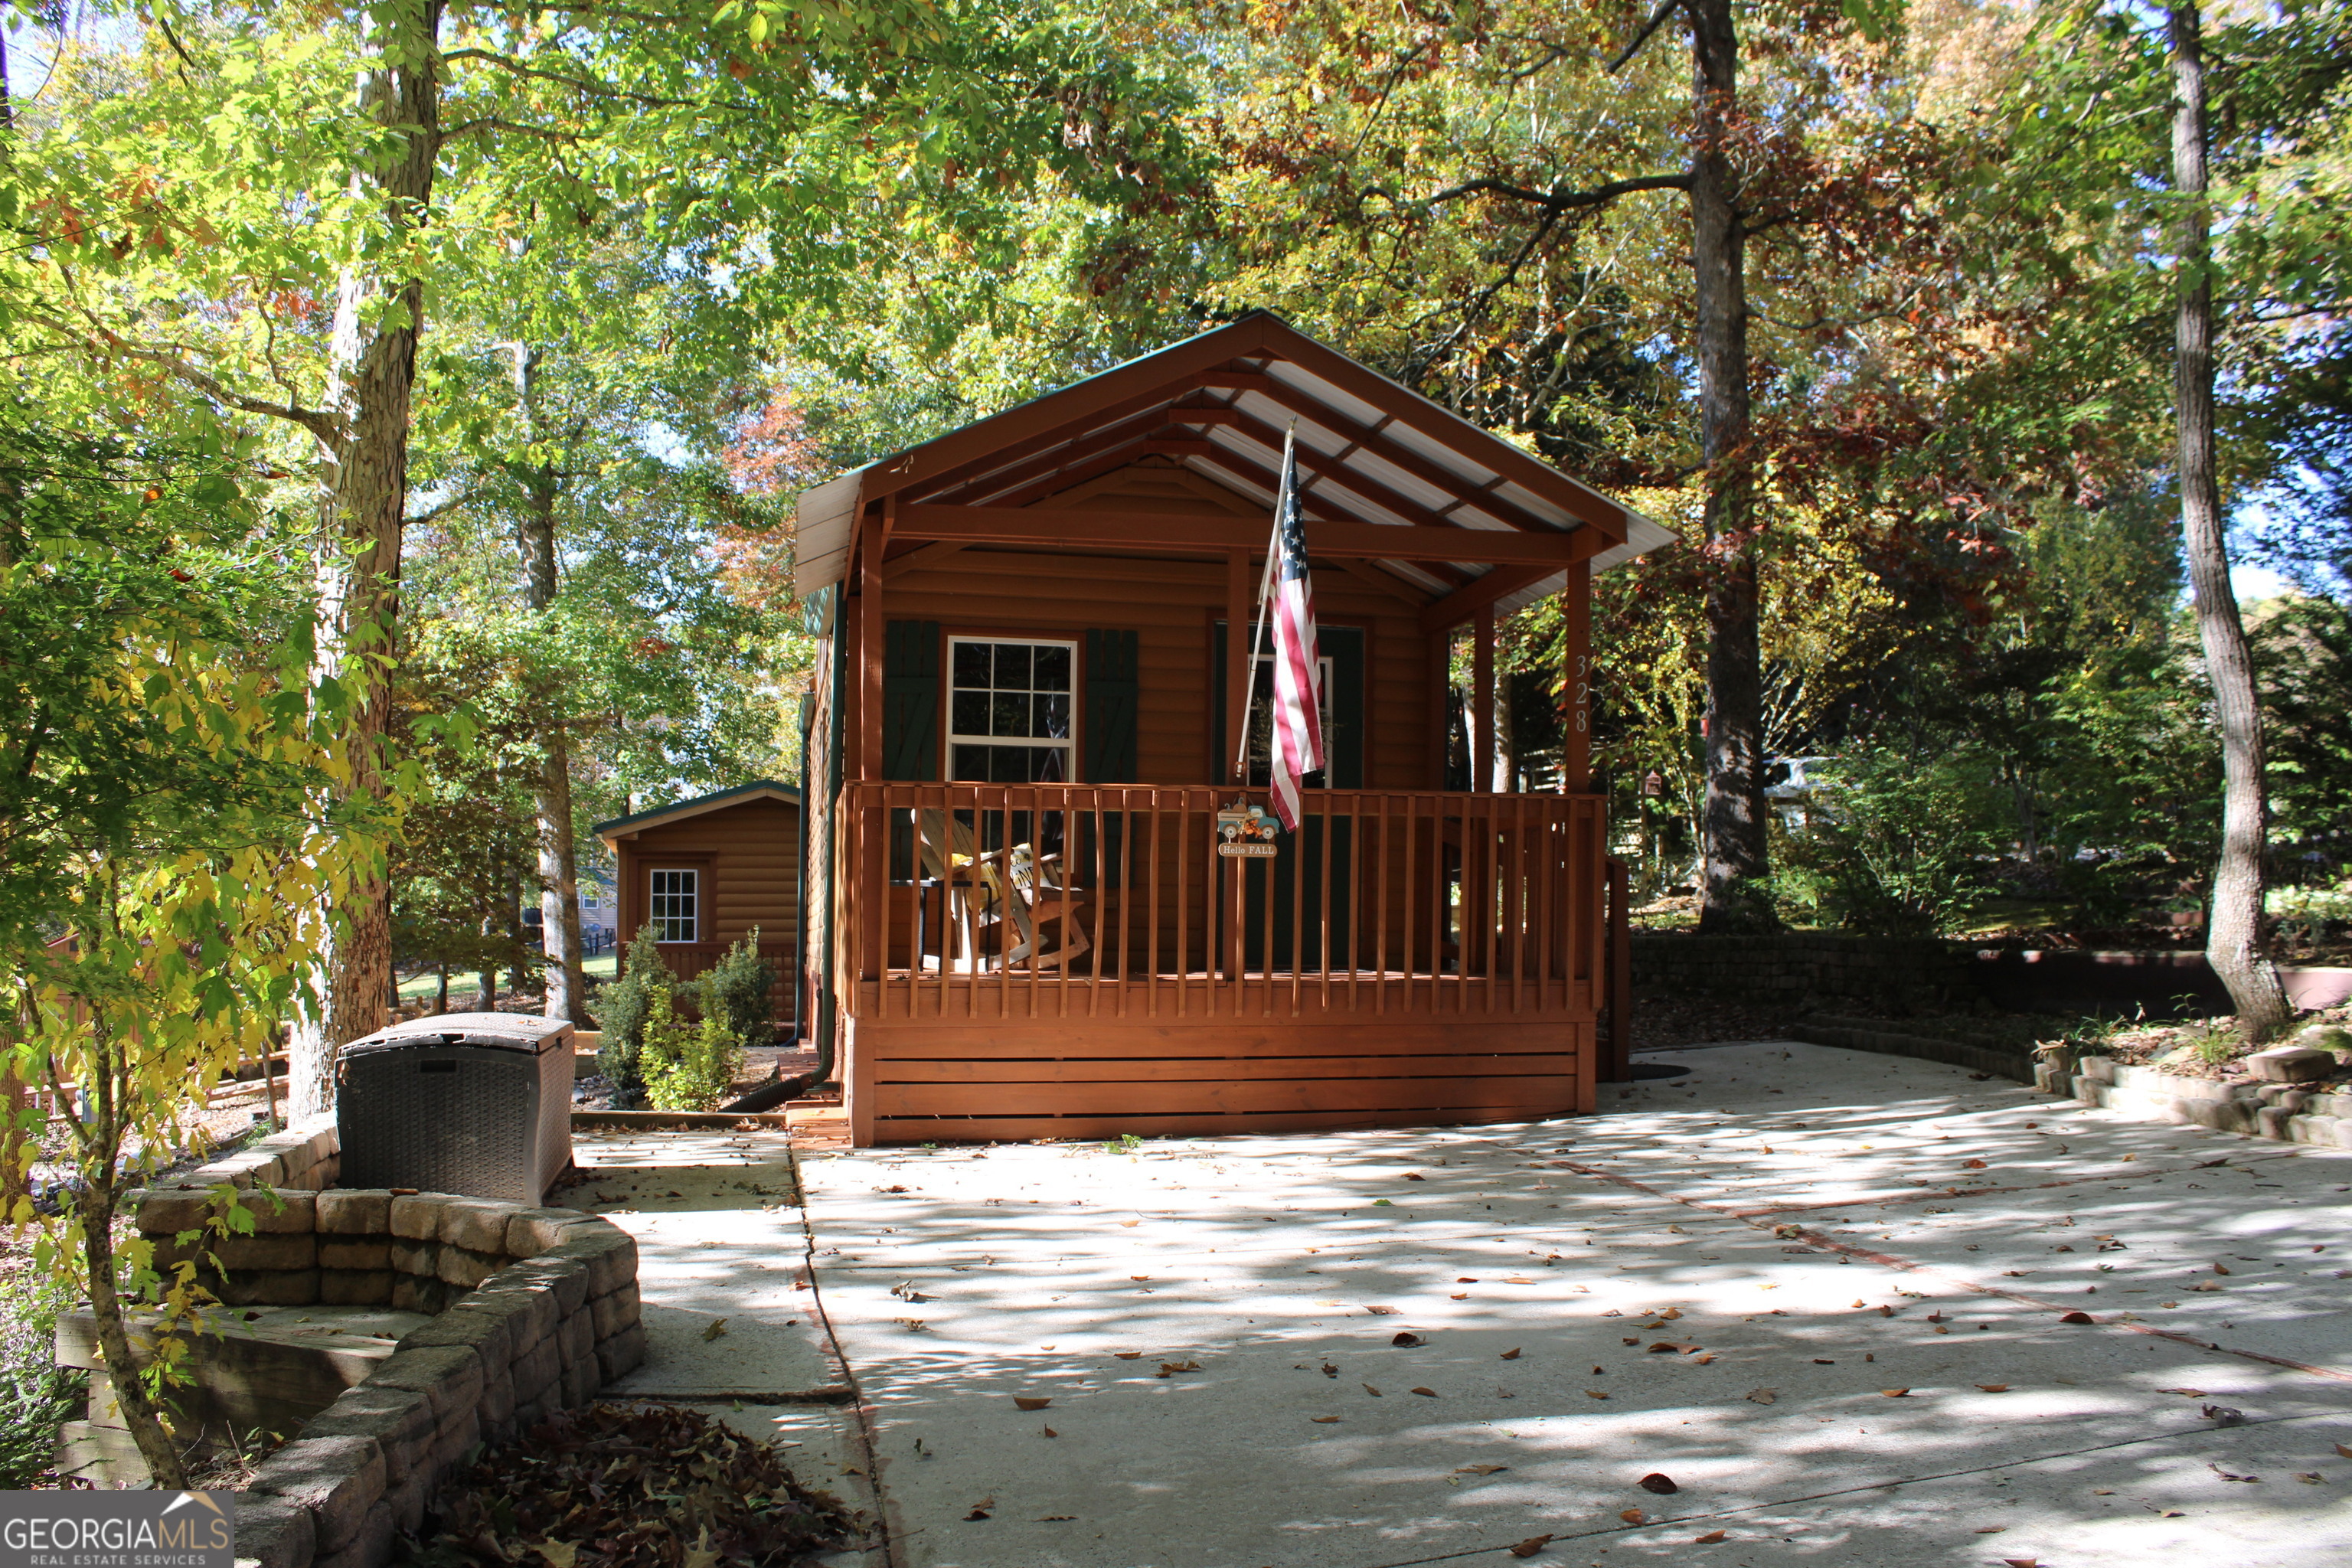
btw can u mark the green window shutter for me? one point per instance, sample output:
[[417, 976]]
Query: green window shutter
[[1344, 746], [910, 700], [1112, 694]]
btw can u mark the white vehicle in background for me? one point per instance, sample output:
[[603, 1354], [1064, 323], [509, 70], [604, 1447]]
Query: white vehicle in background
[[1793, 786]]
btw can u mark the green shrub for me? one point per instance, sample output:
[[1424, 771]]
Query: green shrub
[[1893, 847], [688, 1065], [622, 1010], [36, 1396], [739, 990]]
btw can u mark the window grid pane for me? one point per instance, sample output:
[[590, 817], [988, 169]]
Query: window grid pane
[[1009, 711], [674, 906]]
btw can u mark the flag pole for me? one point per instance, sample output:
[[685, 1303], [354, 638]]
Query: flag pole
[[1264, 588]]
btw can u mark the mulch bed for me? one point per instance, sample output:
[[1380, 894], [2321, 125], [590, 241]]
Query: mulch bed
[[614, 1486], [1663, 1023]]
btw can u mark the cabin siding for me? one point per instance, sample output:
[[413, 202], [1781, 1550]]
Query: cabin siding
[[750, 856], [1173, 607]]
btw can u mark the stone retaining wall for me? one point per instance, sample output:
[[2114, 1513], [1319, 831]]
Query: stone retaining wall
[[1869, 1034], [1804, 970], [2276, 1110], [536, 1309]]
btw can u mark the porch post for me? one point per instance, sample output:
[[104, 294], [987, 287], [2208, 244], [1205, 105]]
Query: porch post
[[1482, 704], [868, 718], [1238, 626], [1576, 654]]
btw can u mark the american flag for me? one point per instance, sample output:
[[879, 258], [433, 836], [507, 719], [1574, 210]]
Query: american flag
[[1297, 740]]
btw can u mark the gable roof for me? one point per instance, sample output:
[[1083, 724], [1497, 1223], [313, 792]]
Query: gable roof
[[678, 811], [1371, 451]]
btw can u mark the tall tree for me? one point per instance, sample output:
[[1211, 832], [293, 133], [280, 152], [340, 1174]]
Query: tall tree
[[362, 429], [2234, 944]]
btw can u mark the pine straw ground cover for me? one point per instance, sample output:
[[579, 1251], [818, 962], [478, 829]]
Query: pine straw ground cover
[[613, 1485]]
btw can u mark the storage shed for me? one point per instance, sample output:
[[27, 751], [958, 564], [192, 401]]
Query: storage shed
[[704, 872], [1033, 726]]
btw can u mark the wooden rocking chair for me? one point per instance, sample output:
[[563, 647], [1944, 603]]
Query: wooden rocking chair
[[995, 890]]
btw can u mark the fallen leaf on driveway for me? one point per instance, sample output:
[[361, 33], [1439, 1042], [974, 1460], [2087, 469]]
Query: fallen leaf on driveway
[[2191, 1393], [1895, 1393], [1382, 1312], [1050, 1432], [1424, 1393], [1480, 1469], [1323, 1420], [1761, 1397], [1138, 1276], [1705, 1358], [1994, 1387], [1407, 1339], [2309, 1477], [1658, 1483], [1129, 1223], [1631, 1515], [980, 1509], [2030, 1562], [1993, 1529], [1128, 1355], [1515, 1281], [1531, 1546], [1972, 1164], [1055, 1518], [1671, 1313], [2077, 1317], [1468, 1279], [714, 1331], [1171, 1368], [2220, 1268], [1371, 1390], [1594, 1393], [1510, 1355], [1709, 1539], [2344, 1450], [1030, 1404], [1671, 1348], [2226, 1476], [1414, 1176], [1459, 1296]]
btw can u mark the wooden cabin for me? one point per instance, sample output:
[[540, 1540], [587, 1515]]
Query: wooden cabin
[[1035, 676], [705, 872]]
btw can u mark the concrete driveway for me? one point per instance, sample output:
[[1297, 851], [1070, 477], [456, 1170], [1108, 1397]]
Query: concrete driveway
[[1825, 1294]]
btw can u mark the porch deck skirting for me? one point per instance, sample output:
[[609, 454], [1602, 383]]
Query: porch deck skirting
[[1412, 957]]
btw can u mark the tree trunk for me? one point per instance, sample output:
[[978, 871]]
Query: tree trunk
[[441, 988], [559, 859], [101, 1144], [1732, 822], [363, 495], [2233, 935]]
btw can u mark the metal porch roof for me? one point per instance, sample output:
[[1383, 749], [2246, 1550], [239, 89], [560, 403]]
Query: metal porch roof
[[1371, 451]]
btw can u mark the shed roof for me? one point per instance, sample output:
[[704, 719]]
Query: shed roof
[[678, 811], [1370, 452]]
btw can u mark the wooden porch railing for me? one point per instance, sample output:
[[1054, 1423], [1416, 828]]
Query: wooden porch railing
[[1384, 902]]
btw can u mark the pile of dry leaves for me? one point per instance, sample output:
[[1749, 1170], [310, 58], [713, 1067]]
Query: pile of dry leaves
[[611, 1485]]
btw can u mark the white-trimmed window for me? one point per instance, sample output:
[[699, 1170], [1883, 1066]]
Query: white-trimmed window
[[1010, 710], [675, 907]]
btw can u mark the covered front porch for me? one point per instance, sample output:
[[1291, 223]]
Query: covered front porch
[[1034, 723]]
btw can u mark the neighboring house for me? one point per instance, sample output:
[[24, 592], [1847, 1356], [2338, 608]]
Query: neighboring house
[[598, 914], [704, 872], [1035, 664]]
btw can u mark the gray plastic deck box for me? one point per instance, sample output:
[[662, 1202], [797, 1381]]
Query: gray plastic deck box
[[476, 1103]]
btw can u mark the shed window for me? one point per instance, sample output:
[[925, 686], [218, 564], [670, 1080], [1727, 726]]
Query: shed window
[[675, 907], [1009, 710]]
